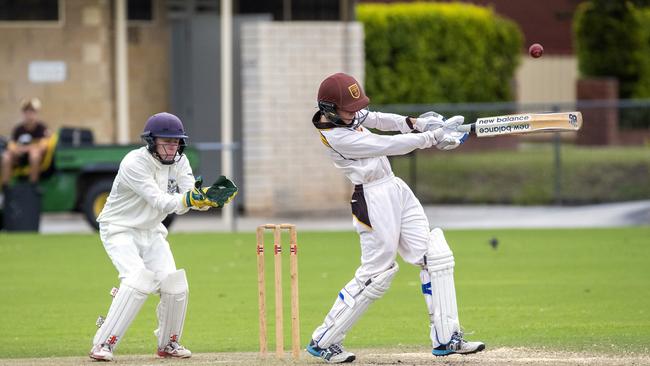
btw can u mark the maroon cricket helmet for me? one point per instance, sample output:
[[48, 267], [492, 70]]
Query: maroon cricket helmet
[[344, 92]]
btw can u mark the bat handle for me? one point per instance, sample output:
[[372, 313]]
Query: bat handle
[[468, 128]]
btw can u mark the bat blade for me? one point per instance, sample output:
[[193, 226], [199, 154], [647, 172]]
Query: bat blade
[[524, 123]]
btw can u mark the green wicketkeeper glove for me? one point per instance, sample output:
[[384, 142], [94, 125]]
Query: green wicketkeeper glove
[[196, 198], [222, 191]]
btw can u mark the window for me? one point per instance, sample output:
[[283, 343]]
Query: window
[[29, 10], [139, 10]]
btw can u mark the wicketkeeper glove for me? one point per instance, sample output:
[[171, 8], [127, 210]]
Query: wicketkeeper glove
[[221, 192], [196, 198]]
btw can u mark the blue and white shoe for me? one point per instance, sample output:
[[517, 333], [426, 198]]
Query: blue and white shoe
[[458, 345], [332, 354]]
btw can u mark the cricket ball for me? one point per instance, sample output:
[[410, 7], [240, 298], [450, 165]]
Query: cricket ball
[[535, 50]]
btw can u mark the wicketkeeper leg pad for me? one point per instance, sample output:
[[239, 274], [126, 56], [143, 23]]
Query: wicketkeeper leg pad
[[171, 310], [126, 304], [352, 302], [437, 278]]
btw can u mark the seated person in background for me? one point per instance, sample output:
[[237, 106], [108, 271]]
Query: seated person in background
[[28, 141]]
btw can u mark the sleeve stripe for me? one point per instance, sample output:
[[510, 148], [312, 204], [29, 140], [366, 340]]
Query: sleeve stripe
[[324, 140]]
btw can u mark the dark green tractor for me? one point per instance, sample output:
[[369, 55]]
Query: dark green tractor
[[77, 174]]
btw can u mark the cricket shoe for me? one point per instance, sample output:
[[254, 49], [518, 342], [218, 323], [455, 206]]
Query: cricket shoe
[[174, 350], [458, 345], [332, 354], [101, 352]]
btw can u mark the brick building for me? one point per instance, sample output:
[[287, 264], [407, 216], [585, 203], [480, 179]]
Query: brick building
[[65, 52]]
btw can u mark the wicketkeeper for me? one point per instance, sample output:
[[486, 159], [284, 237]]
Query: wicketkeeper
[[152, 182], [387, 216]]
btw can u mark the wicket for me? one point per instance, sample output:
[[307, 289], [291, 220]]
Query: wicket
[[293, 261]]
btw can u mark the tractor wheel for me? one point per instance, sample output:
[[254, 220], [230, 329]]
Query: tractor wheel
[[95, 199]]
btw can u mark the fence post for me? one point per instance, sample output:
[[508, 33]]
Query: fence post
[[557, 155]]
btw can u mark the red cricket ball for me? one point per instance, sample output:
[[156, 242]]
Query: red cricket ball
[[535, 50]]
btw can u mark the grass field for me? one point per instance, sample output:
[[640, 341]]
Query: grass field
[[568, 289], [527, 175]]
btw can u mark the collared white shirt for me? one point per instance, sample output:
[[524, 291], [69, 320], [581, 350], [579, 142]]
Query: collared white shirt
[[145, 191], [362, 155]]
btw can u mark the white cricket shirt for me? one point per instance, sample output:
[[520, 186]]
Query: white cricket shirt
[[145, 191], [361, 154]]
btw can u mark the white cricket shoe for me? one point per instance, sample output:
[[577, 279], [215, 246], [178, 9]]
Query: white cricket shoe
[[458, 345], [332, 354], [102, 352], [174, 350]]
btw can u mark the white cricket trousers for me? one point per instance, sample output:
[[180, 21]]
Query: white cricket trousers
[[389, 220], [132, 249]]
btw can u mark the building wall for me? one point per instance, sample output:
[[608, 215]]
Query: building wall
[[149, 69], [83, 39], [287, 169], [551, 78], [547, 22]]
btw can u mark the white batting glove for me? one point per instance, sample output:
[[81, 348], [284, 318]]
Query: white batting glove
[[449, 139], [451, 134], [429, 121], [453, 122]]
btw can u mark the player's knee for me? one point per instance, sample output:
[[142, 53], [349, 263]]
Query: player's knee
[[378, 285], [34, 155], [439, 256], [142, 280], [174, 283]]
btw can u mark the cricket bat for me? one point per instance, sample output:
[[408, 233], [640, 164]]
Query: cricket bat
[[524, 123]]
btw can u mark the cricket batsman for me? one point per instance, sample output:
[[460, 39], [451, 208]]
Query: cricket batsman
[[387, 216], [151, 183]]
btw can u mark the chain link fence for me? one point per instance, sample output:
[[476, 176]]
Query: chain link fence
[[536, 169]]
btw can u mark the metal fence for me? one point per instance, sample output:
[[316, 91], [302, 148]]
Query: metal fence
[[549, 168]]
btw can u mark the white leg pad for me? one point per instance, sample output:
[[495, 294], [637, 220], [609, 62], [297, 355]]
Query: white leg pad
[[438, 288], [171, 310], [352, 302], [126, 304]]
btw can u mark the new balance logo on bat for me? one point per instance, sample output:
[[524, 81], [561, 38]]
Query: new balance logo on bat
[[503, 119], [504, 129]]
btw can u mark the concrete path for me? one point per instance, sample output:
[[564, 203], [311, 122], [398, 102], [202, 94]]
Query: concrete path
[[444, 216]]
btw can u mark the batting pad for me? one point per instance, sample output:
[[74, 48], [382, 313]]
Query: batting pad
[[171, 310], [126, 304], [438, 288], [352, 302]]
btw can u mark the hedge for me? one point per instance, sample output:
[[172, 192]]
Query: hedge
[[438, 52], [613, 39]]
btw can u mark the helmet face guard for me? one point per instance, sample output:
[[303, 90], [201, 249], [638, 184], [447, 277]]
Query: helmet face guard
[[164, 125], [328, 109], [152, 146]]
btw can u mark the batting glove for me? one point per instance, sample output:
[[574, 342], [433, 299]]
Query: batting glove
[[447, 139], [429, 121]]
